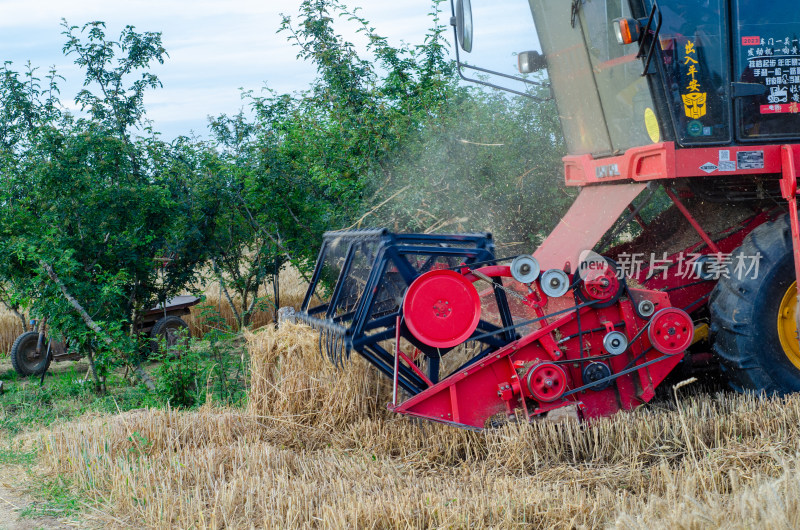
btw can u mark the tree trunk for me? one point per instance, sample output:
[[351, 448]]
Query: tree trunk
[[21, 318], [226, 293], [91, 324], [276, 288], [97, 384]]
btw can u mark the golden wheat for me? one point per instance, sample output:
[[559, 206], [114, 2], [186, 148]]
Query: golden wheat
[[10, 329], [316, 448], [215, 309]]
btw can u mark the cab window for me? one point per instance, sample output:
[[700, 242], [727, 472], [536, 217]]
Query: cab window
[[570, 74], [694, 66], [767, 53], [624, 93]]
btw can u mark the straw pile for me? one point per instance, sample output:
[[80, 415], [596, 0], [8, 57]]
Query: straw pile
[[10, 329], [317, 449]]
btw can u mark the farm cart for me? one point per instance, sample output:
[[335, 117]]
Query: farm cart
[[33, 351], [695, 102]]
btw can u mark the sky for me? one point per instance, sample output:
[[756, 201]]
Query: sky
[[218, 47]]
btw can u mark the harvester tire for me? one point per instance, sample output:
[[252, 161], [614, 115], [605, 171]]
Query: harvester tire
[[746, 313], [24, 358]]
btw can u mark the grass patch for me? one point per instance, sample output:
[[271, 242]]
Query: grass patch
[[55, 498], [15, 454], [28, 404], [208, 371]]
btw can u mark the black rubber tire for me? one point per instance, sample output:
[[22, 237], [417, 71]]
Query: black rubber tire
[[744, 315], [23, 355], [168, 330]]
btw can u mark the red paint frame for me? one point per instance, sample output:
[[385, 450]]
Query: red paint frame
[[664, 161], [790, 156], [492, 385]]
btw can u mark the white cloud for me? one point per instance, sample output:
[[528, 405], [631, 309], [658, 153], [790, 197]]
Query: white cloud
[[215, 47]]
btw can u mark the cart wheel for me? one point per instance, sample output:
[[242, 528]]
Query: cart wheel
[[172, 331], [24, 358]]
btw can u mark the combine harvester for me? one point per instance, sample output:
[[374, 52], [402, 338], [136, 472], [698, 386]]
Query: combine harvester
[[694, 100]]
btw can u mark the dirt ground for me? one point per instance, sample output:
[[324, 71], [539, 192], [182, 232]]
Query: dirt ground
[[13, 501]]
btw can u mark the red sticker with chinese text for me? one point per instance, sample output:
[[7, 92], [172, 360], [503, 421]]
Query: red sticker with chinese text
[[787, 108]]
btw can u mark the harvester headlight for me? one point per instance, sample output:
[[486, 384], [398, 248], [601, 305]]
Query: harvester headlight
[[627, 30]]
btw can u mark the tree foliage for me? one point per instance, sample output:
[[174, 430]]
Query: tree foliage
[[99, 197], [304, 163]]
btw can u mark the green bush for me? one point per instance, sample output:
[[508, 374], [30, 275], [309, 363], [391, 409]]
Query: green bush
[[198, 371]]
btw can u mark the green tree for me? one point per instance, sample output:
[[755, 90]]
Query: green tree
[[306, 162], [398, 141], [95, 205]]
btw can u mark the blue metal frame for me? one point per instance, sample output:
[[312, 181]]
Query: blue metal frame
[[358, 329]]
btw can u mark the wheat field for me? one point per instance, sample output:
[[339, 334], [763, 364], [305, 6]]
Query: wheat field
[[10, 329], [215, 309], [317, 449]]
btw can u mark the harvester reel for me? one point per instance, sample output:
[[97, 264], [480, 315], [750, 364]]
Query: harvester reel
[[546, 382], [671, 331], [580, 354], [555, 283], [525, 269], [441, 308]]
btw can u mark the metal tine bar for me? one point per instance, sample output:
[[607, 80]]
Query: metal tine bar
[[343, 351], [333, 344], [331, 349], [323, 345], [340, 349], [325, 337], [335, 351]]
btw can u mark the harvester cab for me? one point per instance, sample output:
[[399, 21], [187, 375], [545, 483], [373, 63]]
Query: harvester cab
[[695, 101]]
